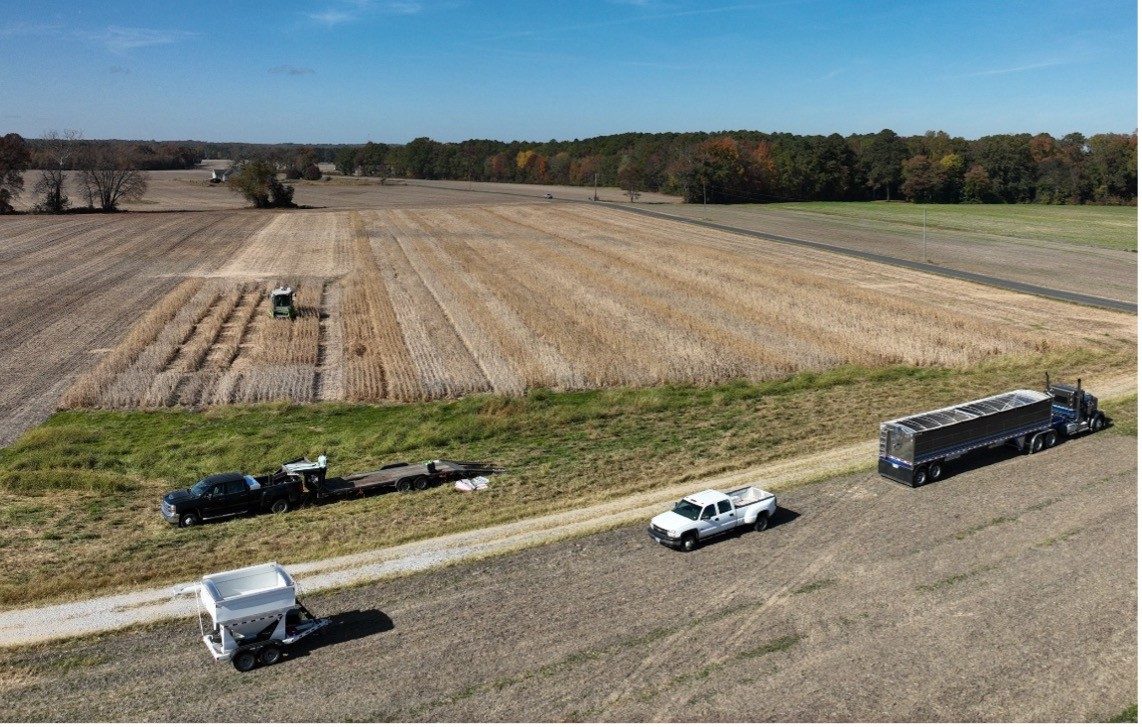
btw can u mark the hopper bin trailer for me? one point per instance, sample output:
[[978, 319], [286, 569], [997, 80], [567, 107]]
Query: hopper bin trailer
[[254, 614], [914, 449]]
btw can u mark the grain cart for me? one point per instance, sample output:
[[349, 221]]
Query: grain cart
[[281, 303], [254, 613], [915, 449]]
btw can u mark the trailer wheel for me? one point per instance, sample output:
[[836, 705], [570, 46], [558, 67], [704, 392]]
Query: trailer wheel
[[279, 506], [689, 542], [1036, 444], [404, 484], [920, 477], [935, 470], [420, 483], [245, 660], [269, 655], [762, 522], [1050, 439], [188, 520]]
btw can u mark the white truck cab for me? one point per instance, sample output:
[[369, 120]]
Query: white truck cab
[[709, 513]]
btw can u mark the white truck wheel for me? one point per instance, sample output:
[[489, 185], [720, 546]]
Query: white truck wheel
[[762, 522]]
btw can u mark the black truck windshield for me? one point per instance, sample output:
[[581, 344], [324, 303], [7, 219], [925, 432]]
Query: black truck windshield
[[687, 509], [200, 488]]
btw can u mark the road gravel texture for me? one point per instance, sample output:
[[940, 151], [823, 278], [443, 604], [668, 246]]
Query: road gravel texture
[[1005, 592]]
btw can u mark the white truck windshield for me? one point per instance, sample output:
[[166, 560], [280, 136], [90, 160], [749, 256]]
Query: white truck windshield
[[687, 509]]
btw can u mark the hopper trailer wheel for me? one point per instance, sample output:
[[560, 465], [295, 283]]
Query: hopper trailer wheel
[[1036, 444], [935, 470], [920, 477], [245, 660], [269, 655]]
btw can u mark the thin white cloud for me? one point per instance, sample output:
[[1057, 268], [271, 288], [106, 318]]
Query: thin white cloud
[[14, 29], [119, 40], [348, 11], [1015, 69], [288, 70]]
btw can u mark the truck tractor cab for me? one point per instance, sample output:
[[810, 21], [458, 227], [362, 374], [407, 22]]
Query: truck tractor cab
[[281, 303], [1074, 410]]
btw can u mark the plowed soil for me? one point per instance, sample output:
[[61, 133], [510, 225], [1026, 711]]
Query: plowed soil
[[1005, 592]]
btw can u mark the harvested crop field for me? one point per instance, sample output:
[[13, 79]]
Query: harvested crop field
[[1004, 593], [73, 286], [442, 302], [1072, 248]]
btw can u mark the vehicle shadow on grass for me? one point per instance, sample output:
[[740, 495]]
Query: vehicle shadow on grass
[[346, 626]]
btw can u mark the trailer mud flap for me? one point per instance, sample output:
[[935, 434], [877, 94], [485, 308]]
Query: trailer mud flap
[[901, 473]]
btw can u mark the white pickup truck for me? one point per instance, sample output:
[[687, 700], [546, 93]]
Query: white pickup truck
[[709, 513]]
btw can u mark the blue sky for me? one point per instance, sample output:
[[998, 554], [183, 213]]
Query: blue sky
[[391, 70]]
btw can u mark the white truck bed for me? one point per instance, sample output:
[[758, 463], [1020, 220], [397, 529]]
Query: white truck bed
[[747, 496]]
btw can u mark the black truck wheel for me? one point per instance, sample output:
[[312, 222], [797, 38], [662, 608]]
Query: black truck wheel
[[188, 520], [935, 470], [1050, 439], [279, 506], [920, 477], [762, 522], [245, 660], [1097, 423], [689, 542], [269, 655]]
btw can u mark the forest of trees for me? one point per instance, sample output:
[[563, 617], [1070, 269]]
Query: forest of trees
[[750, 166]]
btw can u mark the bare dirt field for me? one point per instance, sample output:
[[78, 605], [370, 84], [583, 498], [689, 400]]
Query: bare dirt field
[[1051, 264], [74, 285], [1006, 592], [440, 302]]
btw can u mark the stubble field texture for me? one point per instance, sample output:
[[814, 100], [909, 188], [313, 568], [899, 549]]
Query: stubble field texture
[[418, 304]]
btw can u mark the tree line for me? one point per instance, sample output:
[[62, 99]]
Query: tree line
[[750, 166]]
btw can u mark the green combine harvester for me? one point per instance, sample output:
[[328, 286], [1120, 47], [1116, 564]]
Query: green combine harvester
[[281, 303]]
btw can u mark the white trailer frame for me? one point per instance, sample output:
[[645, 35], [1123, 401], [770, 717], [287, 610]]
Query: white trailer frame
[[244, 603]]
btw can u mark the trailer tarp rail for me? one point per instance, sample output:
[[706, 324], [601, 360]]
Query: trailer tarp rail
[[970, 410]]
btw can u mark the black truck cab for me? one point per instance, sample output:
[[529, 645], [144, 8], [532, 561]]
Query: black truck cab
[[227, 494]]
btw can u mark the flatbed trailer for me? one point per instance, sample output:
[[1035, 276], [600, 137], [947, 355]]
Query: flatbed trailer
[[400, 476]]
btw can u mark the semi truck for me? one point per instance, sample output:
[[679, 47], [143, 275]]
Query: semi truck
[[915, 449], [711, 513], [254, 615]]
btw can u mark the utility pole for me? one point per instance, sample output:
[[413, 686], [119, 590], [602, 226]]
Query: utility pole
[[925, 235], [596, 197]]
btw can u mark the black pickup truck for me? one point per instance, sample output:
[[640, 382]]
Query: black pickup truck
[[231, 493]]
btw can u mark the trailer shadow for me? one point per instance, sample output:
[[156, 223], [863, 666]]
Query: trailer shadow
[[989, 457], [346, 626]]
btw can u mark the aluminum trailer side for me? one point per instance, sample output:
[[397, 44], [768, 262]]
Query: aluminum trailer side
[[913, 449]]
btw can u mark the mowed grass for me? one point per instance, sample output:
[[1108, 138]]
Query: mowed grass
[[79, 495], [1111, 227]]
